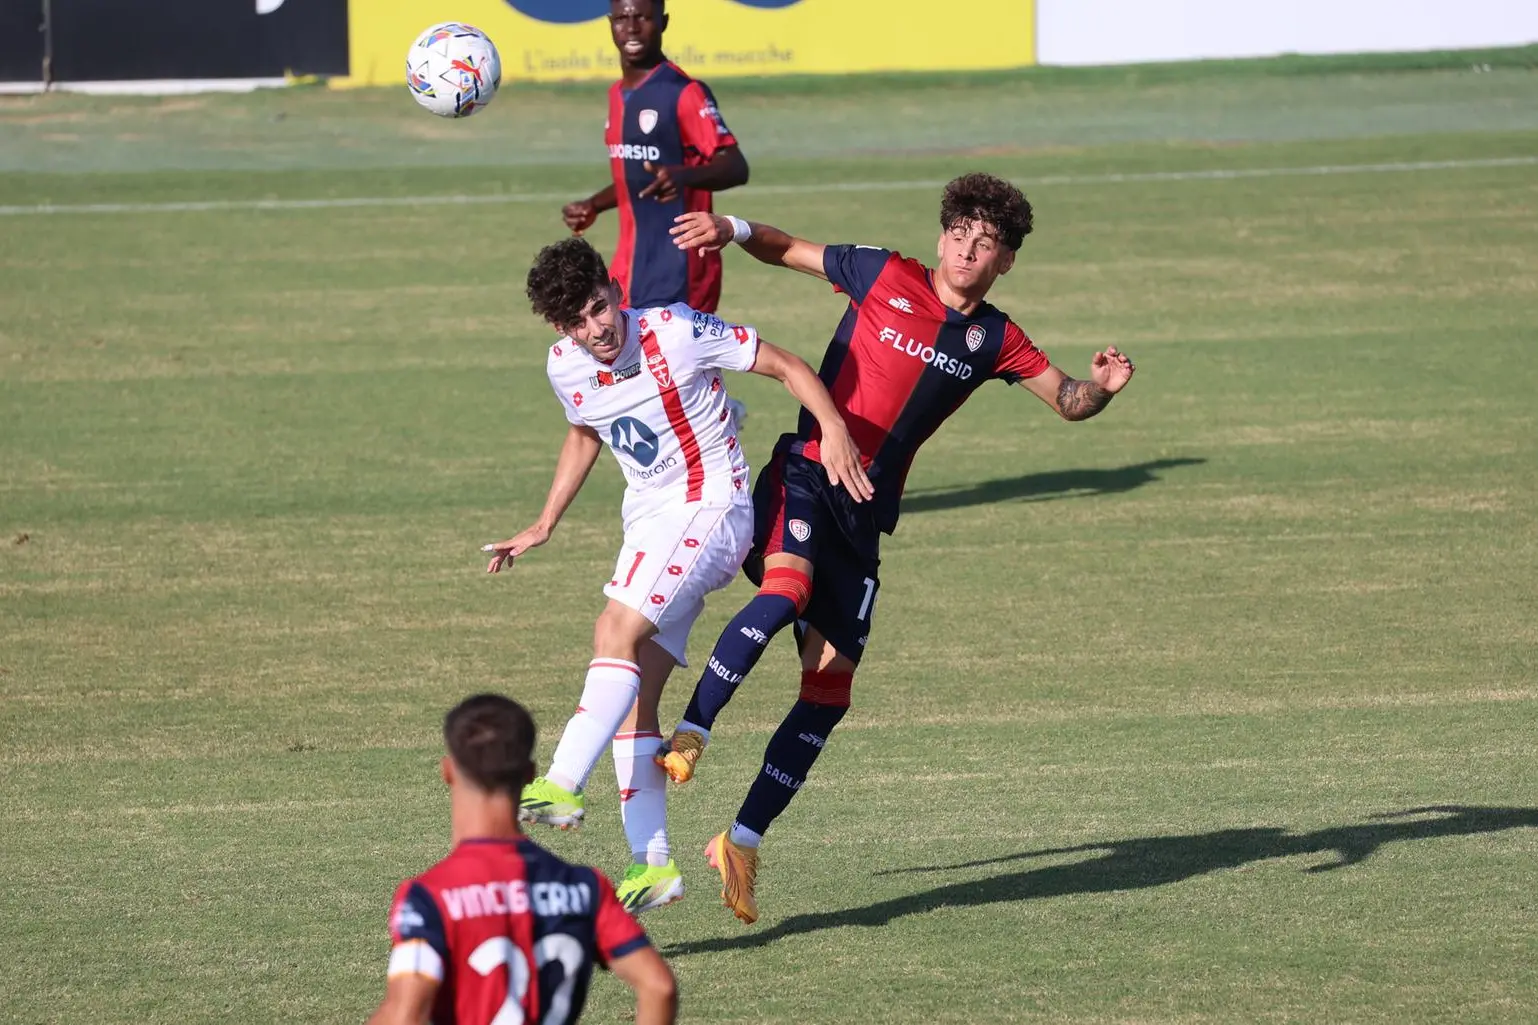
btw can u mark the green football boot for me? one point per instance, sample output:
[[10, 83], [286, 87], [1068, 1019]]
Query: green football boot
[[650, 886], [552, 805]]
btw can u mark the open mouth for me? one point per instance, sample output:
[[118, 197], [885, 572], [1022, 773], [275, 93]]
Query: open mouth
[[633, 47]]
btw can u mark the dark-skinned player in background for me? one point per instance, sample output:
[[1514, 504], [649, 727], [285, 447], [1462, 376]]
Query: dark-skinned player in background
[[669, 149], [913, 345]]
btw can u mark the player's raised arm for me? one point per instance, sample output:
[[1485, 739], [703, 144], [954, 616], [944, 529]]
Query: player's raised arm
[[840, 456], [764, 242], [1075, 399], [726, 169], [578, 454]]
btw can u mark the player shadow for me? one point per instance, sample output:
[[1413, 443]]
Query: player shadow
[[1140, 863], [1045, 487]]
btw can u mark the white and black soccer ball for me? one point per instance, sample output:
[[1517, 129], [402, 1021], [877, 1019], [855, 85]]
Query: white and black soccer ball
[[453, 69]]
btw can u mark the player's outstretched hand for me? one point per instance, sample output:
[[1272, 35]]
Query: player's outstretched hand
[[665, 184], [579, 216], [1111, 369], [841, 459], [700, 230], [504, 552]]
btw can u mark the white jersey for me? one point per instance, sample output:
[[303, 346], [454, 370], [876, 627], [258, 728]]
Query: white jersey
[[661, 406]]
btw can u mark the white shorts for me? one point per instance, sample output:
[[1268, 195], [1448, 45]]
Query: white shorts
[[669, 563]]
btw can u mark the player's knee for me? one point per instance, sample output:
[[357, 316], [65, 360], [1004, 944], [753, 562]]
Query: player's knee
[[784, 582], [827, 687], [620, 632]]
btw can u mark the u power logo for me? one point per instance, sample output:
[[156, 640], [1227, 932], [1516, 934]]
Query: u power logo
[[571, 12]]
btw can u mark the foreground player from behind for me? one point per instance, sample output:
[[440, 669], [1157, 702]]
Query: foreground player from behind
[[648, 384], [913, 345], [501, 930]]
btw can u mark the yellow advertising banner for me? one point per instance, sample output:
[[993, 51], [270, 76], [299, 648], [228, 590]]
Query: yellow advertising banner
[[558, 40]]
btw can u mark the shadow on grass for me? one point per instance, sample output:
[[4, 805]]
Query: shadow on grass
[[1045, 487], [1142, 862]]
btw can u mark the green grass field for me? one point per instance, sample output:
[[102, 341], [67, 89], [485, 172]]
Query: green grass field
[[1219, 708]]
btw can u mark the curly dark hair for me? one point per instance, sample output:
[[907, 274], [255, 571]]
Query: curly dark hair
[[564, 279], [991, 200]]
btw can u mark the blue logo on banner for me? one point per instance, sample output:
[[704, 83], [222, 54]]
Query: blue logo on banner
[[572, 12]]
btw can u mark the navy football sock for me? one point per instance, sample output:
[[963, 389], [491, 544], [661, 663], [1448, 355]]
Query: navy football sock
[[736, 653], [787, 760]]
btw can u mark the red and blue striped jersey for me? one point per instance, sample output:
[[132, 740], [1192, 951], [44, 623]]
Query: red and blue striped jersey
[[901, 362], [509, 931], [669, 119]]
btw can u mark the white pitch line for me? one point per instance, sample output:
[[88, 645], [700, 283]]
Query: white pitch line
[[767, 190]]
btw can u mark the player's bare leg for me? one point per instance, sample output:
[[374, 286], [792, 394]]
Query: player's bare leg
[[608, 695], [653, 879], [826, 676], [783, 595]]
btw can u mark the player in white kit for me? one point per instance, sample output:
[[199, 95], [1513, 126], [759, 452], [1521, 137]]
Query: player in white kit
[[648, 384]]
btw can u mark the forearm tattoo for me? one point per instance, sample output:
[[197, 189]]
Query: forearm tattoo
[[1080, 400]]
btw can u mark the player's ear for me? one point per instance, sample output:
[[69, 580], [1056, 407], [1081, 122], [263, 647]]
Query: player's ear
[[940, 247], [446, 770], [1006, 261]]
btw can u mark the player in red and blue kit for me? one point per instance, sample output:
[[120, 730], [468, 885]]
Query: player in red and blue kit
[[913, 345], [501, 930], [669, 149]]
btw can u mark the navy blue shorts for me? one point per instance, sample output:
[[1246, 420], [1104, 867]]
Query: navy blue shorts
[[796, 510]]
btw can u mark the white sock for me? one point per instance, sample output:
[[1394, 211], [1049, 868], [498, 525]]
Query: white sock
[[686, 725], [607, 696], [642, 797], [742, 836]]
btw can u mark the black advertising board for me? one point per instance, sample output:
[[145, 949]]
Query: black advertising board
[[21, 40], [122, 40]]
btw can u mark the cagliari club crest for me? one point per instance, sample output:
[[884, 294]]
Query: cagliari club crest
[[647, 121], [975, 336]]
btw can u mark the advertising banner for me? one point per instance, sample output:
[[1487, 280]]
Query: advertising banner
[[21, 40], [120, 40], [555, 40]]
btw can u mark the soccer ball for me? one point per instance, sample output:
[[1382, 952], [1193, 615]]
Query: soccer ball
[[453, 69]]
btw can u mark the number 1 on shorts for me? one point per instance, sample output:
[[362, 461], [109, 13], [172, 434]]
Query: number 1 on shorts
[[870, 594]]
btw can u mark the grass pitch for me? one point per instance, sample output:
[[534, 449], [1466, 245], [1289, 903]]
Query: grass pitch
[[1219, 708]]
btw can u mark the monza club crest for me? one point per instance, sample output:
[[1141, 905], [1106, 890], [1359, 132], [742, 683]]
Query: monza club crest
[[657, 363], [975, 336]]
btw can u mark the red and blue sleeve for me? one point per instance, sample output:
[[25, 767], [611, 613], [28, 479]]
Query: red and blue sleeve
[[419, 943], [1018, 357], [616, 932], [700, 123], [853, 270]]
